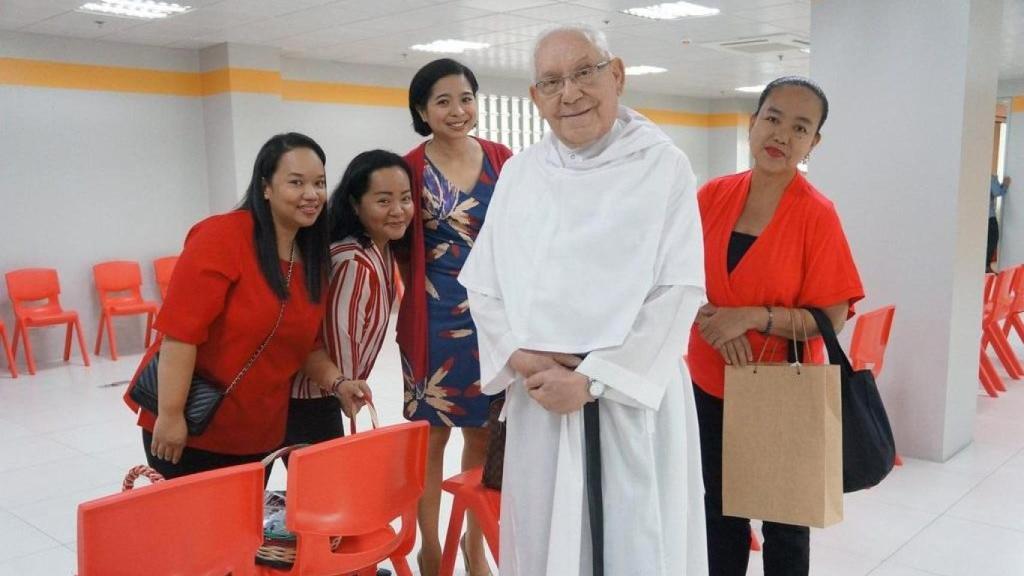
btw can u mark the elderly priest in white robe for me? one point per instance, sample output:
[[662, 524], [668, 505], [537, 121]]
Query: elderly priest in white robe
[[592, 249]]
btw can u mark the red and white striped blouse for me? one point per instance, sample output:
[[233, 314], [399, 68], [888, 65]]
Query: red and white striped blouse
[[359, 301]]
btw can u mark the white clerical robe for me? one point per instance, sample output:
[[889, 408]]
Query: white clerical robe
[[596, 251]]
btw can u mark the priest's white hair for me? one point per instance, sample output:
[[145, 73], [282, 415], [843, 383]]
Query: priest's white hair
[[596, 38]]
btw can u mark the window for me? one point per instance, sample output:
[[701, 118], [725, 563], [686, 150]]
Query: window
[[510, 120]]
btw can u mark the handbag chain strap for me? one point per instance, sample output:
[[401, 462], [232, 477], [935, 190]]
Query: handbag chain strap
[[280, 315]]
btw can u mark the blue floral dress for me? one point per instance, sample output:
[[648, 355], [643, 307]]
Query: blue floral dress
[[450, 394]]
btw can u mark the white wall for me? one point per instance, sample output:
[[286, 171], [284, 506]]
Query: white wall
[[97, 175]]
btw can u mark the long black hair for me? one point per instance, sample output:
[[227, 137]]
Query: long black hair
[[354, 184], [802, 83], [423, 83], [311, 241]]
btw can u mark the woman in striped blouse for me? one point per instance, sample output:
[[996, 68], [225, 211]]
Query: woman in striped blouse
[[371, 207]]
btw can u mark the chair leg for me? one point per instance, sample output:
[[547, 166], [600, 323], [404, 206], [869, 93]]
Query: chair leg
[[899, 461], [451, 540], [1004, 352], [17, 333], [29, 358], [111, 338], [989, 378], [401, 565], [1018, 325], [755, 544], [67, 342], [81, 342], [99, 334], [7, 352]]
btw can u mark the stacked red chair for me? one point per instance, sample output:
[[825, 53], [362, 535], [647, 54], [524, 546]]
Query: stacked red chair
[[1015, 317], [119, 287], [35, 297], [7, 351], [206, 523], [997, 311]]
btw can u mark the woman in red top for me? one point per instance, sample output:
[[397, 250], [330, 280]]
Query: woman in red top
[[453, 176], [224, 299], [773, 246]]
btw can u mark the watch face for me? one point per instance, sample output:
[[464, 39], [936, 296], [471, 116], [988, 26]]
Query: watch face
[[596, 388]]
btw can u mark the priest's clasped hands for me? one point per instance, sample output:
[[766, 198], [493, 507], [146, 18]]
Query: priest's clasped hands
[[551, 380]]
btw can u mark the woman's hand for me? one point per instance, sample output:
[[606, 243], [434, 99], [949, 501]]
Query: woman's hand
[[737, 352], [718, 325], [559, 389], [530, 362], [169, 435], [353, 394]]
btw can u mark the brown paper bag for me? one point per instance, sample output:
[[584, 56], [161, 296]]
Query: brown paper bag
[[782, 452]]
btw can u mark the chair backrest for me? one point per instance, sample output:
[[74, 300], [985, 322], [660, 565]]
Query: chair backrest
[[117, 276], [870, 339], [207, 524], [1002, 295], [163, 268], [31, 285], [358, 484], [1018, 291]]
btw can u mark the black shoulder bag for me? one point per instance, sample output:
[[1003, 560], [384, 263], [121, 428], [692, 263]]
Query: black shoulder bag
[[869, 451]]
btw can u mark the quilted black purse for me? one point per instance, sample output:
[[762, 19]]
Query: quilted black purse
[[204, 395]]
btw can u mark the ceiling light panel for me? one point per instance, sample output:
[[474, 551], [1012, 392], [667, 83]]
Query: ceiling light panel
[[139, 9], [449, 46], [672, 11]]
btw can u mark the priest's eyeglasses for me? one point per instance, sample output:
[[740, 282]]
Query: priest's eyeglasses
[[582, 77]]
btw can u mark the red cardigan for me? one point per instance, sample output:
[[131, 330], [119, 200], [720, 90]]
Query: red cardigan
[[801, 259], [412, 315]]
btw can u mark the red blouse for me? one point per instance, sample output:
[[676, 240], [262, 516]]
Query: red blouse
[[801, 259], [219, 300]]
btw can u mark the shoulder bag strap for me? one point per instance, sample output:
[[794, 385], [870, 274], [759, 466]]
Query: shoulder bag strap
[[836, 355]]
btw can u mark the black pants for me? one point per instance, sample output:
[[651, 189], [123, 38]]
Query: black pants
[[194, 460], [993, 242], [313, 420], [786, 548]]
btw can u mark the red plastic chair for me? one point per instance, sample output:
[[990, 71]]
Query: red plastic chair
[[353, 488], [207, 524], [119, 286], [869, 341], [482, 502], [163, 268], [31, 285], [7, 351], [1015, 318], [987, 374], [996, 315]]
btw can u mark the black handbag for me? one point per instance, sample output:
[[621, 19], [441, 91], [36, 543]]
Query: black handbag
[[869, 450], [494, 462], [204, 395]]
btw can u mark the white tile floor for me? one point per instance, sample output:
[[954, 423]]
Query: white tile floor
[[66, 437]]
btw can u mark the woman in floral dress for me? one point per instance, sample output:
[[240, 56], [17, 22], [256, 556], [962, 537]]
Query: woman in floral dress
[[453, 178]]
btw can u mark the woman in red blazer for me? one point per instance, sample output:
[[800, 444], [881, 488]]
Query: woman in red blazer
[[453, 177], [773, 245]]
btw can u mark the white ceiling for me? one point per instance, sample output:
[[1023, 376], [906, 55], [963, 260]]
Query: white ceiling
[[380, 32]]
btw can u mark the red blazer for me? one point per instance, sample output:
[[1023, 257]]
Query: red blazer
[[801, 259], [412, 315]]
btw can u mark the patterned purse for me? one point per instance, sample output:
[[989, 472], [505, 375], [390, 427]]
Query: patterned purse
[[495, 460], [204, 395]]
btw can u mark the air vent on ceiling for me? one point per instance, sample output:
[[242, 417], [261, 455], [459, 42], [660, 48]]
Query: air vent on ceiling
[[773, 43]]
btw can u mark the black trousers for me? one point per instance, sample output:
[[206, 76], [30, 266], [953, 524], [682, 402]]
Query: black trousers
[[312, 420], [993, 242], [194, 460], [786, 548]]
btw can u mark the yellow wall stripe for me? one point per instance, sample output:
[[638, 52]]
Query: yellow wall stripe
[[694, 120], [48, 74], [105, 78], [340, 93], [241, 80], [1018, 103]]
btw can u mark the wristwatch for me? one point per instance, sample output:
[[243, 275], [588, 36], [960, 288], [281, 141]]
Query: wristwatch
[[595, 387]]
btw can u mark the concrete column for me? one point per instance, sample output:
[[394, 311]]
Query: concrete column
[[1011, 245], [242, 109], [905, 156]]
